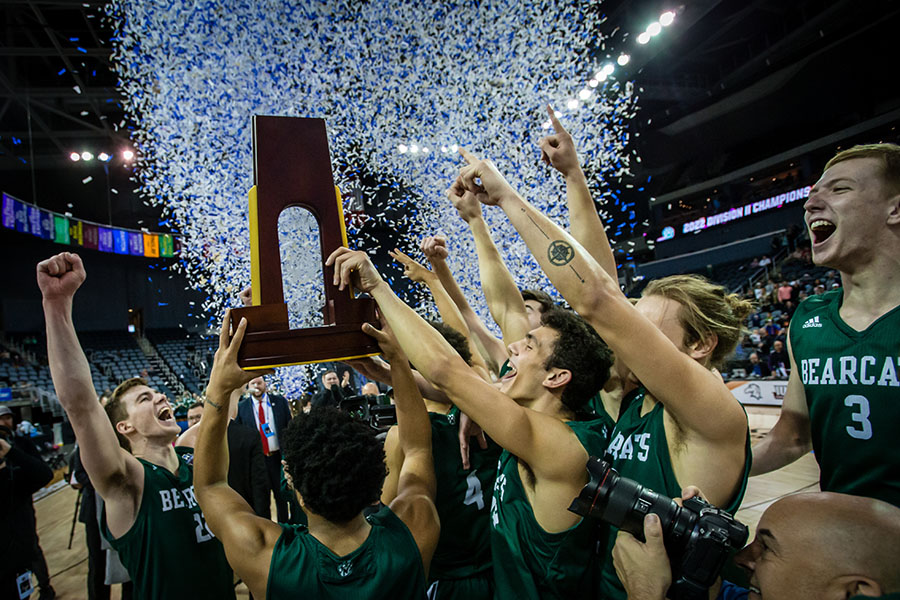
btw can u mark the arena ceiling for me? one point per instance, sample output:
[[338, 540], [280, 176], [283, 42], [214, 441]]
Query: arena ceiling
[[733, 83]]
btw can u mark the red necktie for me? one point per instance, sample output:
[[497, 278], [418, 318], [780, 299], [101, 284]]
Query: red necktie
[[262, 431]]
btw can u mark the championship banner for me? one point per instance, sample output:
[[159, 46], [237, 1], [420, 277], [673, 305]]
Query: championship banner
[[34, 220], [759, 392], [135, 243], [21, 217], [166, 247], [75, 232], [47, 231], [151, 245], [104, 239], [120, 241], [90, 236], [9, 212], [61, 229]]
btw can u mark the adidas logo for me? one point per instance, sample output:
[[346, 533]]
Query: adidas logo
[[813, 322]]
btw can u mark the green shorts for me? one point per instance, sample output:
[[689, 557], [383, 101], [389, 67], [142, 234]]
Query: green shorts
[[476, 587]]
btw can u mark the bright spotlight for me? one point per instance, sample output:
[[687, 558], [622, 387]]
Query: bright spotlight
[[75, 157], [454, 148], [623, 59], [572, 104], [643, 38], [584, 94], [608, 68], [425, 150], [654, 28], [87, 155], [103, 156], [127, 154], [666, 18], [444, 149], [546, 124], [593, 83], [402, 148], [414, 149], [601, 76]]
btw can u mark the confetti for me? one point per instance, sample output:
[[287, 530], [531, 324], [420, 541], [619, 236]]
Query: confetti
[[391, 79]]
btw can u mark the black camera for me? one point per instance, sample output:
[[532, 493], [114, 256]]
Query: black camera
[[699, 537], [380, 417]]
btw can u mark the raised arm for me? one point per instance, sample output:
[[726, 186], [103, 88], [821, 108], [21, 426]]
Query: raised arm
[[447, 309], [247, 538], [503, 298], [116, 475], [559, 151], [790, 438], [692, 394], [526, 433], [491, 348], [415, 481]]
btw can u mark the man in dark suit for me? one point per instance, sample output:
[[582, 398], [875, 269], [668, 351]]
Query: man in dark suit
[[333, 391], [269, 415]]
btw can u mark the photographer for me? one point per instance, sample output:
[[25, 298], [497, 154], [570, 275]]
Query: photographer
[[815, 546], [20, 476]]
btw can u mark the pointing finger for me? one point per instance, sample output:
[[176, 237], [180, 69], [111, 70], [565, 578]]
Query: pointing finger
[[470, 158], [557, 126]]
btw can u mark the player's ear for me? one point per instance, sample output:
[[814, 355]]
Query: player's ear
[[557, 378]]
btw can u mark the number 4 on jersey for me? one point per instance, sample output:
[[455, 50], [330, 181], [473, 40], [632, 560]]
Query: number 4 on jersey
[[474, 494]]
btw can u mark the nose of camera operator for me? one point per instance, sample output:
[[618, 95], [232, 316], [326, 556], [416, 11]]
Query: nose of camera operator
[[816, 546]]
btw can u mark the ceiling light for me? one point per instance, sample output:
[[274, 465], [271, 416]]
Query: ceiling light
[[643, 38], [75, 157], [402, 148], [104, 157], [572, 104], [127, 154], [87, 155], [584, 94], [623, 59], [654, 28], [666, 18]]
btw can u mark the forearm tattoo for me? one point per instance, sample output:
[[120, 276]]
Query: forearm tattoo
[[215, 405]]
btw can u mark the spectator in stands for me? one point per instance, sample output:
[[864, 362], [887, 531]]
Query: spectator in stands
[[269, 415], [370, 389], [39, 563], [785, 292], [333, 390], [759, 292], [21, 474], [779, 363], [758, 369], [765, 261], [842, 400], [195, 411], [754, 264], [816, 546]]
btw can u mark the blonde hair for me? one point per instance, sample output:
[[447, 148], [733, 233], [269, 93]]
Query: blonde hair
[[887, 154], [116, 409], [707, 310]]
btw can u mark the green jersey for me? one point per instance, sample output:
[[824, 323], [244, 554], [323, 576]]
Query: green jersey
[[852, 389], [462, 501], [387, 565], [604, 420], [530, 563], [169, 535], [640, 451]]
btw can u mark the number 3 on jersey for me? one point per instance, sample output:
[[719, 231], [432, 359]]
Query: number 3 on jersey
[[860, 416], [474, 494], [203, 534]]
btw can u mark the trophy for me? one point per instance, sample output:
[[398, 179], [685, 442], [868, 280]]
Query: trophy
[[292, 167]]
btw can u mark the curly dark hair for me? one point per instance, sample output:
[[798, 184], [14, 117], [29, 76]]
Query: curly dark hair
[[582, 351], [336, 463], [455, 339]]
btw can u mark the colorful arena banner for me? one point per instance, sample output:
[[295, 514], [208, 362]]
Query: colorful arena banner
[[21, 217], [151, 245], [758, 392], [90, 236], [104, 239], [47, 231], [75, 232], [61, 229], [135, 243], [166, 247], [9, 212], [120, 241]]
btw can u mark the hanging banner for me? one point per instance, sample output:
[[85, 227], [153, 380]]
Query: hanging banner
[[135, 243], [75, 232], [151, 245], [166, 248], [21, 217], [61, 229], [34, 220], [9, 212], [90, 235], [120, 241], [104, 239], [47, 231]]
